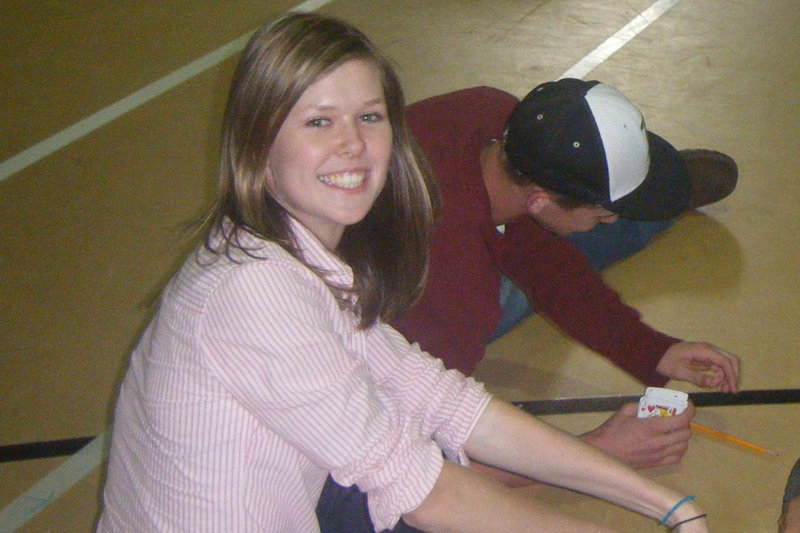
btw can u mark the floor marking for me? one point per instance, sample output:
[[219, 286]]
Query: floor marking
[[39, 151], [82, 463], [54, 484], [310, 5], [96, 120], [619, 39]]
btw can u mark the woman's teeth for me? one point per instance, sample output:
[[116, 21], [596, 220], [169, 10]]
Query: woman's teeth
[[344, 180]]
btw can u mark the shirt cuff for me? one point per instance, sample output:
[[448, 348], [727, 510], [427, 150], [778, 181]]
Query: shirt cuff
[[409, 488]]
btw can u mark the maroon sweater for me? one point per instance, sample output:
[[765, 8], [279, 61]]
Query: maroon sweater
[[459, 309]]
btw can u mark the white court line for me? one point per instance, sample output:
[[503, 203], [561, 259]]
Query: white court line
[[90, 457], [96, 120], [619, 39], [310, 5], [39, 151], [54, 484]]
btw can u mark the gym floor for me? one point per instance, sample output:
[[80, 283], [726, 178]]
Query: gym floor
[[110, 118]]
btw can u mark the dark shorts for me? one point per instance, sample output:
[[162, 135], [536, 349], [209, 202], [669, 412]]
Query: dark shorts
[[344, 510]]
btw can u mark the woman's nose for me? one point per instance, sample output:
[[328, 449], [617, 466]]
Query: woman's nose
[[352, 141]]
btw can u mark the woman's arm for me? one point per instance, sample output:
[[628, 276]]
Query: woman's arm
[[508, 438], [466, 501]]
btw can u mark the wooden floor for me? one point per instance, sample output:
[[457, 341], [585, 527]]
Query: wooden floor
[[108, 129]]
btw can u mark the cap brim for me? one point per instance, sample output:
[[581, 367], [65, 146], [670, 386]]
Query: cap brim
[[664, 193]]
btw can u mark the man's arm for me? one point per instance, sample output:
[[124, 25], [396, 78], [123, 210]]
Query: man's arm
[[563, 286]]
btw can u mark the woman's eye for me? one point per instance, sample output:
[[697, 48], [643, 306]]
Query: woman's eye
[[317, 122], [372, 117]]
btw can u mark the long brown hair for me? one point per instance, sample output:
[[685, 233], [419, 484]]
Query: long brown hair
[[388, 249]]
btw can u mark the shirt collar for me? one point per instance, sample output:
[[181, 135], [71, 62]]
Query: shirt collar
[[316, 255]]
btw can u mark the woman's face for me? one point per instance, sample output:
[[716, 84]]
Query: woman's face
[[330, 158]]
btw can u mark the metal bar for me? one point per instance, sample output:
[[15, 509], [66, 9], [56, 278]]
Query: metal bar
[[41, 450], [554, 406], [559, 406]]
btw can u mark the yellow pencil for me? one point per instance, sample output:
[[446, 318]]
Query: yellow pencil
[[731, 438]]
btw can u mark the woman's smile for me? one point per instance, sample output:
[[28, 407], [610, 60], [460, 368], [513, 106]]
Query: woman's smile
[[345, 180]]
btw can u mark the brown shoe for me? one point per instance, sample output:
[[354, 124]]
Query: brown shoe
[[713, 176]]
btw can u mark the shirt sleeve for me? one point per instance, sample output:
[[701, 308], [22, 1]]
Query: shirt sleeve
[[278, 341], [564, 287], [442, 403]]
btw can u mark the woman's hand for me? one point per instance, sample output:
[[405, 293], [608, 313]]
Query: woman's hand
[[643, 442]]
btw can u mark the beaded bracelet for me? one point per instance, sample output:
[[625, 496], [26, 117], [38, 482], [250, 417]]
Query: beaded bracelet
[[698, 517], [674, 508]]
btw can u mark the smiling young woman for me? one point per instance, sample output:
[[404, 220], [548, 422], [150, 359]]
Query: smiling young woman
[[270, 365]]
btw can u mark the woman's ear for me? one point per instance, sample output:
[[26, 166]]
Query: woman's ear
[[268, 176]]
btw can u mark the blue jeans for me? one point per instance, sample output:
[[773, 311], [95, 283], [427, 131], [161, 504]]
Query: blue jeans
[[344, 509], [603, 245]]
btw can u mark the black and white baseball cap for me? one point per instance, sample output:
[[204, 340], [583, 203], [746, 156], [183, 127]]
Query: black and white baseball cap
[[587, 141]]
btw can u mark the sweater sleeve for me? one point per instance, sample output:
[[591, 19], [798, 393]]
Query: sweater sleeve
[[459, 309], [564, 287]]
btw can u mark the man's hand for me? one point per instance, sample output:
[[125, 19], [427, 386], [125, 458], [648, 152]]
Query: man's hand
[[643, 442], [701, 363]]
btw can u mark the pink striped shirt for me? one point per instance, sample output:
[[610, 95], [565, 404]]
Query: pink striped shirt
[[251, 384]]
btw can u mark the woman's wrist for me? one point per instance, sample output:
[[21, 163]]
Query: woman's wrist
[[688, 517], [688, 522], [683, 511]]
